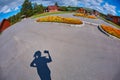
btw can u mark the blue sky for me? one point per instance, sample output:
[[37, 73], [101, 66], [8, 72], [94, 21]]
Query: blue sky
[[12, 7]]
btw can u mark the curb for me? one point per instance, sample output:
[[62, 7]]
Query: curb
[[77, 25], [71, 25], [99, 27], [91, 23], [106, 33]]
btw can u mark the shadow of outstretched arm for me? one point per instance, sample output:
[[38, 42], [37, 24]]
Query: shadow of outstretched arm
[[33, 63], [49, 57]]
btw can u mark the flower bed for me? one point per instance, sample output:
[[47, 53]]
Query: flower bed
[[60, 19], [85, 15], [110, 30], [92, 17]]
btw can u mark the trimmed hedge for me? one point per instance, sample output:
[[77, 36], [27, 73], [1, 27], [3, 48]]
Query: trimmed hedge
[[113, 31], [60, 19]]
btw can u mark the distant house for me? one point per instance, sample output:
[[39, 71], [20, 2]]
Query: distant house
[[115, 19], [51, 9], [4, 25], [81, 10], [95, 12]]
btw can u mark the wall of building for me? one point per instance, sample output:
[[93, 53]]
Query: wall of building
[[53, 10], [4, 25]]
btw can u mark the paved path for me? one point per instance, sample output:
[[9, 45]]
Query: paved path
[[78, 53], [95, 21]]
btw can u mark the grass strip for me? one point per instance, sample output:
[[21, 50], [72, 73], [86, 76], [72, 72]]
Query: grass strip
[[49, 13], [110, 22]]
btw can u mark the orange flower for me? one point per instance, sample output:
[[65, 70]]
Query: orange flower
[[92, 17], [85, 15], [111, 30], [59, 19]]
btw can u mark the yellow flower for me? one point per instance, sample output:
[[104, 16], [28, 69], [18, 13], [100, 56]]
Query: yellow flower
[[111, 30], [60, 19]]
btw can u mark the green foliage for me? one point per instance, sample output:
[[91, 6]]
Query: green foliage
[[56, 4], [69, 8], [38, 8], [27, 8], [15, 18], [63, 8]]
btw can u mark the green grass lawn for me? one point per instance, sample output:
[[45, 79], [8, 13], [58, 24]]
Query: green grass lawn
[[110, 22], [49, 13]]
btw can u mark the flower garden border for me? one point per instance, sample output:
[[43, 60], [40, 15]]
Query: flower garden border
[[106, 33]]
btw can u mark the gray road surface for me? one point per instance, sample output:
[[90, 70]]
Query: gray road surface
[[78, 53], [96, 21]]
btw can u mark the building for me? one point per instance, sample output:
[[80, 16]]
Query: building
[[95, 12], [81, 10], [51, 9], [4, 25], [115, 19]]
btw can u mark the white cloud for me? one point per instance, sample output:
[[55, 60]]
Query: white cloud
[[94, 4], [97, 5], [9, 5], [70, 2], [109, 9], [89, 3], [45, 3], [5, 9], [8, 10], [16, 8]]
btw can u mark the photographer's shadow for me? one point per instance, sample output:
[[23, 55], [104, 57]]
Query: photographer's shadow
[[41, 64]]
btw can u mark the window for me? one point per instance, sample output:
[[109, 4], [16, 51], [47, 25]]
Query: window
[[118, 20]]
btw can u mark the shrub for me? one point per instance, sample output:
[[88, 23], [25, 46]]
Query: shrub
[[111, 30], [60, 19]]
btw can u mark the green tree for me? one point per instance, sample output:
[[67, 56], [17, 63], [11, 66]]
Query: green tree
[[63, 8], [27, 8], [56, 4], [15, 18], [38, 8]]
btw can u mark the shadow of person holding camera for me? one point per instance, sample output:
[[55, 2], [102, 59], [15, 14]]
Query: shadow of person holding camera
[[41, 64]]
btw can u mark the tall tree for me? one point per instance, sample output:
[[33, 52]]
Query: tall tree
[[38, 8], [56, 4], [27, 8]]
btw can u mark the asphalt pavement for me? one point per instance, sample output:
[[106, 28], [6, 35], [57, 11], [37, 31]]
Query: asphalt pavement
[[78, 53]]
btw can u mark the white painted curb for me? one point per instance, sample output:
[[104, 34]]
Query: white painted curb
[[91, 23], [76, 25], [111, 36]]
